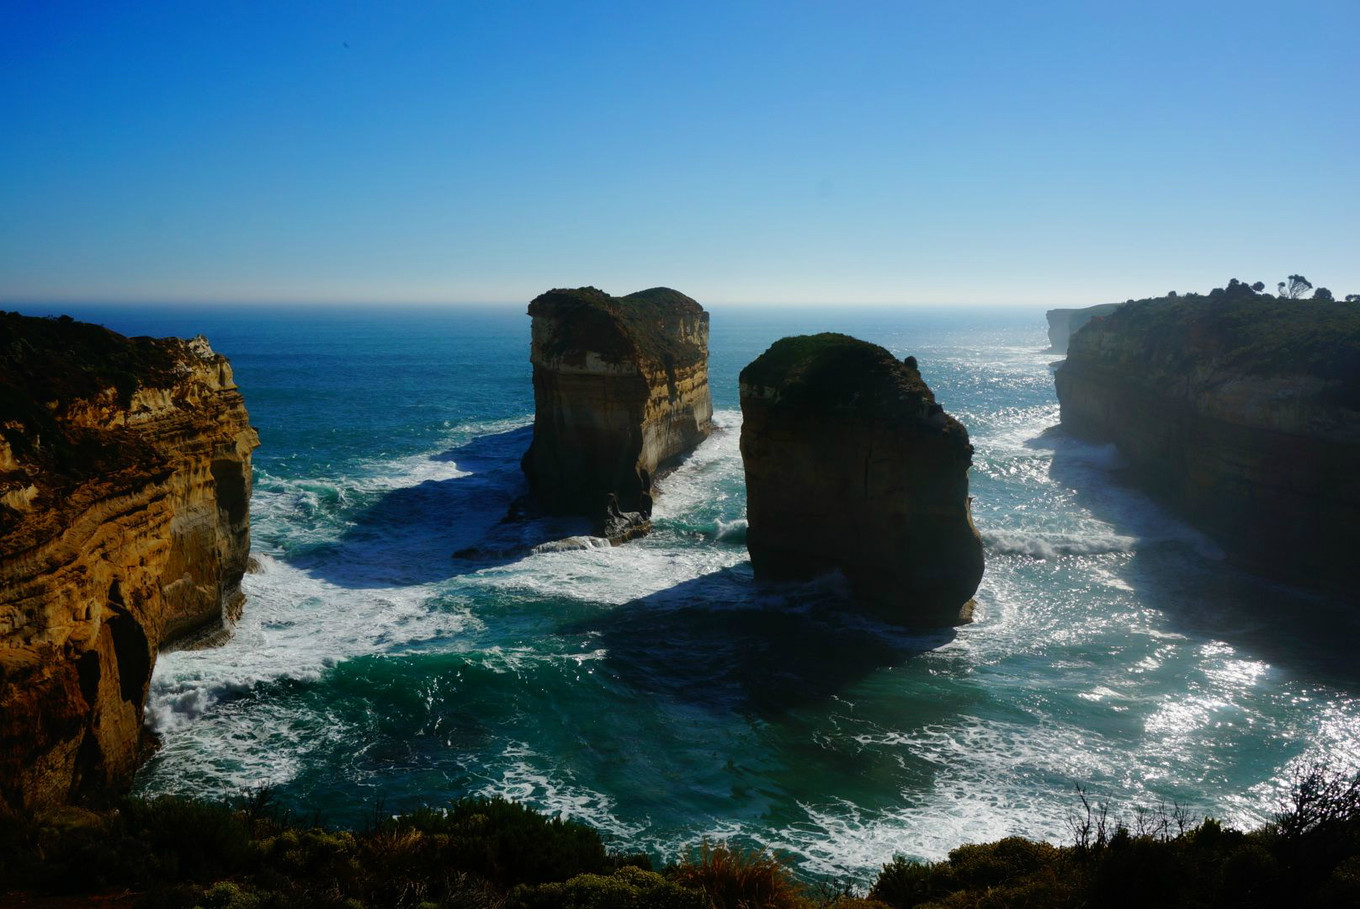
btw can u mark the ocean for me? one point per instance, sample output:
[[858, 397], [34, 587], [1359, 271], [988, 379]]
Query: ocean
[[654, 690]]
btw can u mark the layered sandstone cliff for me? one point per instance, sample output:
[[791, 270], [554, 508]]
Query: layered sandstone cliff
[[1241, 412], [1063, 323], [124, 527], [851, 465], [620, 392]]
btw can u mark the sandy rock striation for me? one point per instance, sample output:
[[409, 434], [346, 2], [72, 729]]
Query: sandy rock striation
[[124, 528], [1241, 412], [851, 465], [620, 393]]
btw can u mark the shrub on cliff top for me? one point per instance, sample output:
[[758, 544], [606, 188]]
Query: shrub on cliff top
[[835, 371], [736, 879], [502, 841], [618, 327], [627, 888]]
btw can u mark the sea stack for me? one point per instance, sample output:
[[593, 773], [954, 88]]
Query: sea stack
[[124, 528], [620, 393], [1063, 323], [1241, 412], [851, 465]]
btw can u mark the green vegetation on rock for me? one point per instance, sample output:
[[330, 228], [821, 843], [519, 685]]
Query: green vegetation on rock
[[47, 364], [616, 327], [838, 372], [494, 854], [1239, 329]]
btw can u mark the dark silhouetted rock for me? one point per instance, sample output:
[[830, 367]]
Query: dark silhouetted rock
[[851, 465], [1240, 412]]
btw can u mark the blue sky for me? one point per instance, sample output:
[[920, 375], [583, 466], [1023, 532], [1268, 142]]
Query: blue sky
[[938, 153]]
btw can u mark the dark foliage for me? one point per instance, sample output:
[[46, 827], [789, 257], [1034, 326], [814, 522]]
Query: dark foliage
[[48, 364], [735, 879], [1310, 856], [838, 372], [1237, 329], [493, 854], [642, 324], [1295, 287]]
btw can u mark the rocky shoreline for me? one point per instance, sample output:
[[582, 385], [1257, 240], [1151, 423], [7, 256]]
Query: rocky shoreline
[[125, 479], [1239, 411]]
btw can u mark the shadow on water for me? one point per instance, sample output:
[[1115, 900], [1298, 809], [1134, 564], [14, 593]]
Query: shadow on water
[[409, 535], [724, 643], [1180, 572]]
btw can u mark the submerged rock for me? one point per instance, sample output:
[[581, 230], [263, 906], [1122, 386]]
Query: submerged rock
[[851, 465], [1241, 412], [620, 393], [125, 481]]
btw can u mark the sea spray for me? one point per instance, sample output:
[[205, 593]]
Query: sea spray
[[654, 690]]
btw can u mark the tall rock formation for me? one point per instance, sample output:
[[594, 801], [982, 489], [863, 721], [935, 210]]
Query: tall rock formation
[[1063, 323], [1241, 412], [851, 465], [620, 392], [124, 526]]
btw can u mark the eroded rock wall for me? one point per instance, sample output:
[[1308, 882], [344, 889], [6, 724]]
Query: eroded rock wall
[[1242, 416], [852, 465], [620, 392], [125, 481], [1063, 323]]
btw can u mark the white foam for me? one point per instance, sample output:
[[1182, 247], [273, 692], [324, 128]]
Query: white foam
[[295, 626], [572, 543], [1054, 545]]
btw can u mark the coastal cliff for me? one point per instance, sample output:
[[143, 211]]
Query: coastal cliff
[[620, 392], [1241, 412], [851, 465], [124, 528], [1063, 323]]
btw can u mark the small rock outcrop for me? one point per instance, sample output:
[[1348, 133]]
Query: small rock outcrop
[[620, 393], [124, 527], [1063, 323], [851, 465], [1241, 412]]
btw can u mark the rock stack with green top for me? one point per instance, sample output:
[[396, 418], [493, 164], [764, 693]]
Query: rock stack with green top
[[620, 393], [852, 466]]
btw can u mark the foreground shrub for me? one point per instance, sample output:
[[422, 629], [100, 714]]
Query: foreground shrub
[[628, 888], [735, 879], [496, 839]]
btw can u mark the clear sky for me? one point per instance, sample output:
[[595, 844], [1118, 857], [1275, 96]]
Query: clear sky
[[1052, 153]]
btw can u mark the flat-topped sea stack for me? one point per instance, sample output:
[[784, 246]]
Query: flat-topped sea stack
[[124, 527], [851, 465], [1063, 323], [620, 393], [1241, 412]]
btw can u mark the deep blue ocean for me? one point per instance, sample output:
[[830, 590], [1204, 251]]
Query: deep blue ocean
[[653, 690]]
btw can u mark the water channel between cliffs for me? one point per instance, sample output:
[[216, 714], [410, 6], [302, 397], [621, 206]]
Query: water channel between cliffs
[[652, 690]]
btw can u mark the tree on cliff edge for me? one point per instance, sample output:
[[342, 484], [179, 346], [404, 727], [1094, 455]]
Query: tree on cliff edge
[[1297, 286]]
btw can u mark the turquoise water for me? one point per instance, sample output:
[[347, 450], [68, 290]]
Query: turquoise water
[[653, 690]]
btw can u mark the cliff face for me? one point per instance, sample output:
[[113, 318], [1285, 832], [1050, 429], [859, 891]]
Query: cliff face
[[124, 527], [1241, 414], [1063, 323], [851, 465], [620, 391]]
